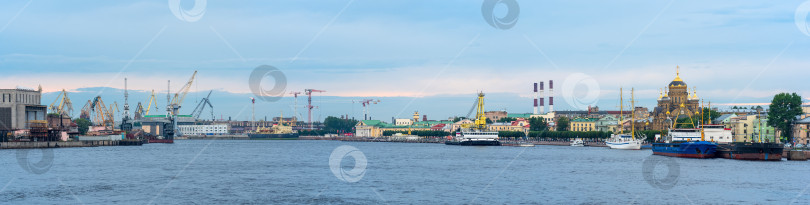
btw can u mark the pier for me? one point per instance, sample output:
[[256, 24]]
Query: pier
[[65, 144]]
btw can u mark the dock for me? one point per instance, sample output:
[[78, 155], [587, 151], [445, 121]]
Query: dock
[[65, 144]]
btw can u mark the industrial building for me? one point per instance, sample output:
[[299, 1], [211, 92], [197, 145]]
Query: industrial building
[[20, 106], [217, 129]]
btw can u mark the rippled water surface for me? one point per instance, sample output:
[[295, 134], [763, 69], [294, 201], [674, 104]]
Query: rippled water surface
[[298, 172]]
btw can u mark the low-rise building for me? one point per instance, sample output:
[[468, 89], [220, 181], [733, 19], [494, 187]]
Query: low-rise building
[[583, 124], [495, 115], [217, 129], [801, 131]]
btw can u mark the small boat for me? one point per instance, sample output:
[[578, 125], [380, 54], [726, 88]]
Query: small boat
[[525, 144], [577, 143]]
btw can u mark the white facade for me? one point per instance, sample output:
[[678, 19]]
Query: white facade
[[403, 122], [203, 129]]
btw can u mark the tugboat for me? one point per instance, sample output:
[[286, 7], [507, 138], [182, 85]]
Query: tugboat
[[685, 142], [475, 134], [625, 141]]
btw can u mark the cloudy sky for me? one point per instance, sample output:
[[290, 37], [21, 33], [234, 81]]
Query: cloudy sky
[[732, 52]]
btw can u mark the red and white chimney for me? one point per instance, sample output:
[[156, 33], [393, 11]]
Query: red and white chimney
[[551, 96], [542, 99], [535, 98]]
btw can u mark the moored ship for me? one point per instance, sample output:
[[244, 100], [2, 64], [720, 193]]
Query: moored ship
[[751, 151], [475, 134], [626, 141], [277, 132]]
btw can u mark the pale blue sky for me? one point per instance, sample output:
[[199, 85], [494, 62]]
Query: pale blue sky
[[732, 51]]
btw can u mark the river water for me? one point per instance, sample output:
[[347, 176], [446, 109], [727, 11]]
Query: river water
[[299, 172]]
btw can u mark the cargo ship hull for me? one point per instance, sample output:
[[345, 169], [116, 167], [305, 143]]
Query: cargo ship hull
[[288, 136], [700, 150], [751, 151]]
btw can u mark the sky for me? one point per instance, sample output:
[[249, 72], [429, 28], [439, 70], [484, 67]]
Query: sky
[[427, 56]]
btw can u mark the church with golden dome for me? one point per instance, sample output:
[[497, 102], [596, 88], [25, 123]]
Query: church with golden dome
[[674, 102]]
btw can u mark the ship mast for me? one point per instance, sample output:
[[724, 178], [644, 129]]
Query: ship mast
[[633, 115], [702, 121], [621, 111]]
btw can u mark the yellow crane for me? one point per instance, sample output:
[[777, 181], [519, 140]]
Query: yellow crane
[[100, 110], [178, 98], [480, 118], [65, 107], [152, 99], [111, 113]]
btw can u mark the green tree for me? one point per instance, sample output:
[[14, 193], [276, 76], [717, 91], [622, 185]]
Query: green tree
[[83, 124], [337, 125], [507, 119], [783, 111], [562, 124], [489, 121], [538, 124], [710, 115]]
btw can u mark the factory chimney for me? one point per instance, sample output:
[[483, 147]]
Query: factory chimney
[[535, 98], [551, 96], [542, 99]]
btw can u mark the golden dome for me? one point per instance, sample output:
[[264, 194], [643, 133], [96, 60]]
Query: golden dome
[[677, 82]]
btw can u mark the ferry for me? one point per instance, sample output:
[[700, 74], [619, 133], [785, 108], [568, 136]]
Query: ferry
[[474, 138]]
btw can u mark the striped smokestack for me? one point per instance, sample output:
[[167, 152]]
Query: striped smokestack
[[535, 98], [542, 99], [551, 96]]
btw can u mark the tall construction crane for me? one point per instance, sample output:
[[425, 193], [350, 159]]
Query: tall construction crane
[[65, 107], [366, 103], [198, 110], [295, 107], [178, 98], [152, 99], [309, 104]]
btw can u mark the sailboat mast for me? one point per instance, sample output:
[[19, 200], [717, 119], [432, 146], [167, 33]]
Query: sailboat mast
[[633, 115], [621, 110]]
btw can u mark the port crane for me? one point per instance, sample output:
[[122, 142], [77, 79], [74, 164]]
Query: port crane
[[309, 104], [480, 118], [139, 110], [198, 110], [174, 104], [84, 113], [65, 107], [151, 99], [100, 110], [178, 98]]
